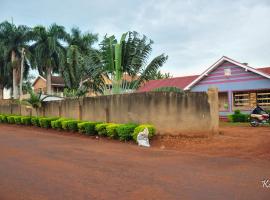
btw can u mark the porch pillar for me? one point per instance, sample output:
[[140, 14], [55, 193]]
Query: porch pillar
[[230, 98]]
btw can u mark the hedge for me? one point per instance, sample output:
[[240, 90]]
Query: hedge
[[112, 130], [238, 117], [138, 129], [123, 132], [88, 128]]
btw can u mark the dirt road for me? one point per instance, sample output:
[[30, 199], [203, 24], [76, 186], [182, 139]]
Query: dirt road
[[40, 164]]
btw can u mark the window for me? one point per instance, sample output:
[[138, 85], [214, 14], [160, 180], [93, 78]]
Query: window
[[241, 99], [263, 98], [227, 72]]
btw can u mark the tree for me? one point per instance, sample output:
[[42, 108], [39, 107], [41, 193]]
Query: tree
[[159, 75], [4, 73], [129, 56], [13, 40], [79, 46], [48, 51]]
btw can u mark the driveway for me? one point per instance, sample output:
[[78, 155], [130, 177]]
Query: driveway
[[40, 164]]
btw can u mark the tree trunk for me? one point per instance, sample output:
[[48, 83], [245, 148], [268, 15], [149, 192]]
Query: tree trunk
[[1, 92], [14, 74], [49, 80], [21, 76]]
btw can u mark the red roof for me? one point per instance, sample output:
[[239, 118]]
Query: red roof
[[265, 70], [180, 82]]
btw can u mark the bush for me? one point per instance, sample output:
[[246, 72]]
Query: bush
[[101, 128], [125, 131], [18, 119], [70, 125], [57, 124], [3, 118], [238, 117], [11, 120], [151, 130], [88, 128], [26, 120], [35, 121], [45, 122], [112, 130]]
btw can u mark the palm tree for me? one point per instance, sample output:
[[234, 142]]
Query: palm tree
[[4, 73], [79, 46], [48, 51], [129, 56], [13, 40]]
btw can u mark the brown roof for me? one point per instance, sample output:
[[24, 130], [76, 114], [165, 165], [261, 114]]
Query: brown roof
[[265, 70], [179, 82], [58, 80]]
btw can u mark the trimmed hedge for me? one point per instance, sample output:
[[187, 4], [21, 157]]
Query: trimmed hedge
[[125, 131], [101, 129], [112, 130], [138, 129], [239, 117], [26, 120], [88, 128]]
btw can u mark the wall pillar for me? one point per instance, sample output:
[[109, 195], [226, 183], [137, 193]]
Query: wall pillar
[[230, 96]]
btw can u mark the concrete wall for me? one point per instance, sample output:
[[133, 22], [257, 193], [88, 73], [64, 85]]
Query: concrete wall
[[172, 113]]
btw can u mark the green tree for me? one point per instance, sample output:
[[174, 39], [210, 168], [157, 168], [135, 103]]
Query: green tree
[[158, 75], [13, 39], [48, 51], [129, 56], [79, 46], [5, 80]]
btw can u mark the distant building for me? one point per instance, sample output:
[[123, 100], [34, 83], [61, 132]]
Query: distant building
[[240, 86], [58, 85]]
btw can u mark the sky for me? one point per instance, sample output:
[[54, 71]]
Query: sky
[[193, 33]]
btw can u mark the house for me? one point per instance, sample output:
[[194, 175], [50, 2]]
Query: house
[[58, 85], [240, 86]]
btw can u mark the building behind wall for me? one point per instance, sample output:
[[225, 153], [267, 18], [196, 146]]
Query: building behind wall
[[240, 86]]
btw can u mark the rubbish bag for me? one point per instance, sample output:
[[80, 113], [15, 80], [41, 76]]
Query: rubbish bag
[[143, 139]]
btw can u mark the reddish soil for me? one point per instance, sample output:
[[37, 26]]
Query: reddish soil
[[45, 164]]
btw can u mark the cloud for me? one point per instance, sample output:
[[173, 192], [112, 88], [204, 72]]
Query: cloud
[[194, 33]]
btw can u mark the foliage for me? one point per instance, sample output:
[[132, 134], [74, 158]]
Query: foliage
[[35, 121], [75, 93], [125, 131], [151, 130], [238, 117], [101, 129], [112, 130], [26, 120], [13, 39], [57, 124], [18, 119], [88, 128], [45, 122], [168, 89], [11, 120], [128, 56], [158, 75], [70, 125], [3, 118]]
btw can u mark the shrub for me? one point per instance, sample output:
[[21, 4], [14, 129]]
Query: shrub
[[125, 131], [57, 124], [71, 125], [18, 119], [3, 118], [45, 122], [88, 128], [35, 121], [11, 120], [112, 130], [238, 117], [26, 120], [101, 128], [138, 129]]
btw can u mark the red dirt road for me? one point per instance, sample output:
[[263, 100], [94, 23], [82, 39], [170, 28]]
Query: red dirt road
[[39, 164]]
